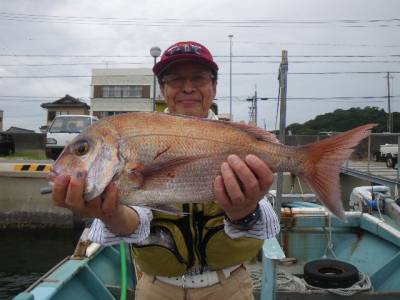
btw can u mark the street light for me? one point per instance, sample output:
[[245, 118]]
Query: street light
[[230, 76], [155, 52]]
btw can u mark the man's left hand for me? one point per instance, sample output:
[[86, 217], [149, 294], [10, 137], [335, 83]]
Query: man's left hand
[[241, 185]]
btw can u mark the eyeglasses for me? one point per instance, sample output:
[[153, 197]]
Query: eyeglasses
[[197, 80]]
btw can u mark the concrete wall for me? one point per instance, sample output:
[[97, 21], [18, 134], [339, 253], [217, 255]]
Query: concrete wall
[[29, 141], [22, 205]]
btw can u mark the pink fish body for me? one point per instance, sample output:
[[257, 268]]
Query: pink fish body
[[158, 159]]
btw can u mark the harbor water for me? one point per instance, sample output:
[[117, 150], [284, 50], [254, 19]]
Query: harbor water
[[27, 255]]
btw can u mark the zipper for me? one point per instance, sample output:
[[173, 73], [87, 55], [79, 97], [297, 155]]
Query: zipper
[[204, 242], [197, 233], [187, 233]]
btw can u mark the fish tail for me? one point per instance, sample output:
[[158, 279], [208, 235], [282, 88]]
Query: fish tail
[[322, 164]]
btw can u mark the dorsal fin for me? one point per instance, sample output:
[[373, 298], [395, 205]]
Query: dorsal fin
[[254, 131]]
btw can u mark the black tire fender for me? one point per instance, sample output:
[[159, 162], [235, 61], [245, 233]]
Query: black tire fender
[[390, 163], [329, 273]]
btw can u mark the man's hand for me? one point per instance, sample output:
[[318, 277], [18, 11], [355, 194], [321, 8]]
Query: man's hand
[[68, 193], [241, 185]]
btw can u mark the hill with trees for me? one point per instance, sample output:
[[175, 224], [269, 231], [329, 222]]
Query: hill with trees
[[341, 120]]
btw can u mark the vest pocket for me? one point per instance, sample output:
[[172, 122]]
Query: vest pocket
[[221, 251], [164, 254], [158, 260]]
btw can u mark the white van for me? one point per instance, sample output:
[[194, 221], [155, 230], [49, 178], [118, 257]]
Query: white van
[[62, 130]]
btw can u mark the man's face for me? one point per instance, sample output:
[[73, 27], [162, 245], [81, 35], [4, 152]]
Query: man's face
[[188, 89]]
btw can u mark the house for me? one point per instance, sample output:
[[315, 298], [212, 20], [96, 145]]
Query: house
[[14, 129], [116, 91], [67, 105]]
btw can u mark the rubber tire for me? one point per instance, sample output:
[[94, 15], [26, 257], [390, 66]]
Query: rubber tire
[[390, 162], [329, 273]]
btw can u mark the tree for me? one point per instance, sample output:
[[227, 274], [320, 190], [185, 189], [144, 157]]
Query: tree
[[341, 120]]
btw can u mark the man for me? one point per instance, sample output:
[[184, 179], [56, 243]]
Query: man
[[199, 254]]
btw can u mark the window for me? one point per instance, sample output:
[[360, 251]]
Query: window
[[104, 114], [122, 91], [70, 124]]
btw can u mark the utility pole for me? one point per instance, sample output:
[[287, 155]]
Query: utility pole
[[253, 108], [283, 70], [230, 77], [252, 117], [155, 52], [390, 116]]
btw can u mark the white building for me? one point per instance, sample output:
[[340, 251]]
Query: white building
[[115, 91]]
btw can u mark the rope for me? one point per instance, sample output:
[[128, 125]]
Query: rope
[[363, 285], [329, 245], [288, 282], [301, 188]]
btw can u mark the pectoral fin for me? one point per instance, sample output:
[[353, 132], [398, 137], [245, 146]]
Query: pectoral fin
[[138, 173]]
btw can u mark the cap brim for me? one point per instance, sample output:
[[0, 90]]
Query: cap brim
[[162, 66]]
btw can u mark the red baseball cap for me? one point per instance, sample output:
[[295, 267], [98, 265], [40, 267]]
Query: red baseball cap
[[185, 51]]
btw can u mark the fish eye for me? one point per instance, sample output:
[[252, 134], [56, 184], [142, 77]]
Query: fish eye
[[81, 148]]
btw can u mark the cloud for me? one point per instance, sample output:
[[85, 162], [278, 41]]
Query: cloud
[[309, 30]]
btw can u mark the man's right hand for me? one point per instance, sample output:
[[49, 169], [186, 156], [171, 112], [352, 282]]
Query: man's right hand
[[68, 192]]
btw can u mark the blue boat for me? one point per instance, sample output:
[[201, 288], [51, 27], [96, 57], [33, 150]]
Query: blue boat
[[310, 236]]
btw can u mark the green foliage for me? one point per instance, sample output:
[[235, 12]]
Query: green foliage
[[27, 154], [341, 120]]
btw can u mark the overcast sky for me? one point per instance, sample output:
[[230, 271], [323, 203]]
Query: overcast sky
[[336, 49]]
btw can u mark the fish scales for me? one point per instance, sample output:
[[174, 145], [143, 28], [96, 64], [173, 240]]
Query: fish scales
[[157, 158]]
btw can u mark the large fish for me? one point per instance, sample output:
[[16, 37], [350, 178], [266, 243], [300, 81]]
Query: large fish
[[158, 159]]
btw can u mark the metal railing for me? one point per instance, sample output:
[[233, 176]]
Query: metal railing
[[368, 172]]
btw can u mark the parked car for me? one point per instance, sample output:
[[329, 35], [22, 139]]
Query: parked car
[[388, 153], [62, 130], [7, 145]]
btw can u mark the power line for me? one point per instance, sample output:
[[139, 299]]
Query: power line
[[247, 42], [220, 74], [41, 18], [220, 62], [215, 56], [22, 98]]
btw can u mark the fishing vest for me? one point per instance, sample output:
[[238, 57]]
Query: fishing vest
[[179, 244]]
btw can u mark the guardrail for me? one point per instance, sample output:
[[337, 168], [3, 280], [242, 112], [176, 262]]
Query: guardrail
[[398, 150], [367, 174]]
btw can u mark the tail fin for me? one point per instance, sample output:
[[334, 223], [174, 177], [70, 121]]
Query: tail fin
[[323, 162]]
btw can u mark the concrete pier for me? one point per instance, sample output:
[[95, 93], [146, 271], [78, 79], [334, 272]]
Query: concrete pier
[[22, 205]]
